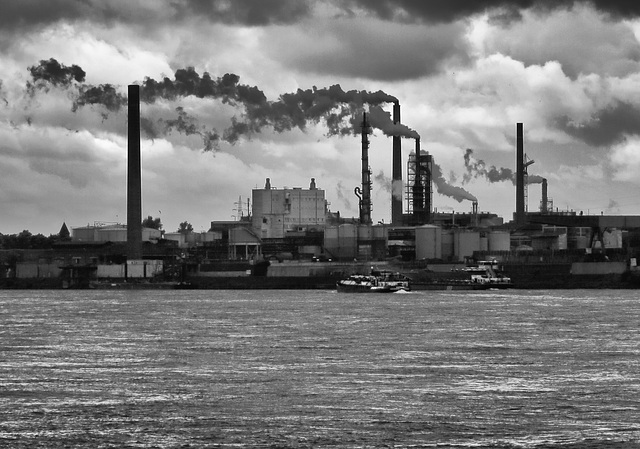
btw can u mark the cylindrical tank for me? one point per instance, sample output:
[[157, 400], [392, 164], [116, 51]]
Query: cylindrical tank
[[499, 241], [331, 243], [379, 232], [465, 244], [484, 243], [428, 242], [365, 232], [447, 244], [342, 241]]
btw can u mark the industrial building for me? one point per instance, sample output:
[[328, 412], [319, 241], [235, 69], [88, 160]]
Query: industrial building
[[276, 212], [290, 230]]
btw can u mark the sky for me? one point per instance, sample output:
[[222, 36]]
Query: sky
[[234, 92]]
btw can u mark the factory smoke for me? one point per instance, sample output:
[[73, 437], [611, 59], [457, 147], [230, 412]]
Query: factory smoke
[[341, 193], [381, 119], [534, 179], [444, 188], [333, 106], [477, 168], [384, 181]]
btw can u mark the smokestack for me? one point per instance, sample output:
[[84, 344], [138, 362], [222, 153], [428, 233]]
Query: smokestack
[[365, 199], [396, 186], [428, 190], [545, 199], [520, 201], [134, 177], [418, 189], [474, 210]]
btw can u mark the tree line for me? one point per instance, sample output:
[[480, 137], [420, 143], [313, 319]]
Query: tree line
[[27, 240]]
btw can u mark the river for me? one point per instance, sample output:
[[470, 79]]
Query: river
[[307, 369]]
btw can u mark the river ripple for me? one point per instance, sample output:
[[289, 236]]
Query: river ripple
[[541, 369]]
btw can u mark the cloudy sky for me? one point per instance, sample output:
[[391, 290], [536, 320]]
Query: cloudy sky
[[238, 91]]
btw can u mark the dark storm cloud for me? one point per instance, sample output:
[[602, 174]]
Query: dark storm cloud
[[609, 126], [382, 49], [249, 12], [590, 45], [21, 14], [448, 11]]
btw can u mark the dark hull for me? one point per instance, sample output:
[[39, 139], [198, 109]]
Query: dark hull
[[366, 289], [458, 286]]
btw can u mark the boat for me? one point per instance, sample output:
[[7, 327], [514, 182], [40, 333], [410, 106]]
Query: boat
[[484, 275], [376, 282]]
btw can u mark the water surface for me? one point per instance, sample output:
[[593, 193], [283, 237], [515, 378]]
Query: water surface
[[543, 369]]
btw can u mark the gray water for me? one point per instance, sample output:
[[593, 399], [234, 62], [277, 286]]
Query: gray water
[[168, 369]]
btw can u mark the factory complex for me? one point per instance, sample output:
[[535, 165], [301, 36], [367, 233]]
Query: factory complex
[[290, 239]]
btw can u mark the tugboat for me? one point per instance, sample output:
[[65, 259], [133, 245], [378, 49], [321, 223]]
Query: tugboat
[[376, 282], [484, 275]]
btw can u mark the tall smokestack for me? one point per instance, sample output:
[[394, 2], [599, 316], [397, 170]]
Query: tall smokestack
[[418, 189], [134, 177], [545, 198], [365, 201], [520, 202], [396, 186], [428, 190]]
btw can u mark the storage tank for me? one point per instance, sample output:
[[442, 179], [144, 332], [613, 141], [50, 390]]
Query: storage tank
[[342, 241], [447, 244], [348, 241], [465, 243], [499, 241], [365, 232], [484, 243], [379, 232], [428, 242], [84, 234]]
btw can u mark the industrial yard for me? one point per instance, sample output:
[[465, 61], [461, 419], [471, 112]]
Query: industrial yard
[[290, 239]]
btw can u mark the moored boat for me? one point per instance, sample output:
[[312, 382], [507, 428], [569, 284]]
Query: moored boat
[[483, 276], [376, 282]]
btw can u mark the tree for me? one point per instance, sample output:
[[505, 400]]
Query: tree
[[185, 228], [151, 222]]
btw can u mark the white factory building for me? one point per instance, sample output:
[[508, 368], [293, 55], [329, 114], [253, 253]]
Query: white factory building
[[276, 212]]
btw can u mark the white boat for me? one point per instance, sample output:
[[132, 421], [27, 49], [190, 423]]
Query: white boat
[[376, 282]]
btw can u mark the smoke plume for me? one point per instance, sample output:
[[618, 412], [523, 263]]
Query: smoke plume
[[379, 118], [340, 193], [53, 73], [384, 181], [444, 188], [332, 106], [477, 168], [534, 179]]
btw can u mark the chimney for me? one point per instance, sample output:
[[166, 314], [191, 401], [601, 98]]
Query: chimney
[[520, 206], [365, 199], [267, 184], [474, 209], [396, 185], [134, 177], [418, 189], [428, 191], [545, 198]]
